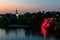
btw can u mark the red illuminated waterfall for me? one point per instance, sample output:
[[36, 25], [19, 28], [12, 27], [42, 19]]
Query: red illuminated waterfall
[[45, 24]]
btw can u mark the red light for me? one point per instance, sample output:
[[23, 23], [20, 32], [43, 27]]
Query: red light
[[44, 25]]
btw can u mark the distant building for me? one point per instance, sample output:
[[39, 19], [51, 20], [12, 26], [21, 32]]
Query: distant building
[[17, 15]]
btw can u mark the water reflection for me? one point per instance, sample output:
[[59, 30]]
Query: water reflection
[[22, 34]]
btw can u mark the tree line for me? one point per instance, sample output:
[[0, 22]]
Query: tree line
[[27, 18]]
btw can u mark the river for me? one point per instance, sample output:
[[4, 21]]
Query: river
[[26, 34], [21, 34]]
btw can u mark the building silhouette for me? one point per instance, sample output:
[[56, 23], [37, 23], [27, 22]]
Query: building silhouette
[[17, 14]]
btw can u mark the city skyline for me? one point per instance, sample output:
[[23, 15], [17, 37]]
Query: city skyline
[[29, 5]]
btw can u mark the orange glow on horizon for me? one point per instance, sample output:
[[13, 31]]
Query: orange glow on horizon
[[21, 7]]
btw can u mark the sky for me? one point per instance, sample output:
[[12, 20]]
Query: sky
[[29, 5]]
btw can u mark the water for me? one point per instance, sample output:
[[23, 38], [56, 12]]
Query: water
[[21, 34], [25, 34]]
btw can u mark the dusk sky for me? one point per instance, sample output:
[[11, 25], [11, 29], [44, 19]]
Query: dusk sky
[[29, 5]]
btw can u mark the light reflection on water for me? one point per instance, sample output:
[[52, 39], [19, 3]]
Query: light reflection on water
[[21, 34]]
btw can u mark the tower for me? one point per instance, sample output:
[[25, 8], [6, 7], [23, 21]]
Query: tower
[[17, 15], [16, 11]]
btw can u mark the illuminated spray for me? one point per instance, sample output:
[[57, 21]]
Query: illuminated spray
[[44, 25]]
